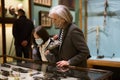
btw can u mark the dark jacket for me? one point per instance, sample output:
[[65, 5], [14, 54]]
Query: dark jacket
[[22, 30], [74, 47]]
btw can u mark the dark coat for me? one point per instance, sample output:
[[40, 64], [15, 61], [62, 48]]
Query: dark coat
[[74, 47], [22, 30]]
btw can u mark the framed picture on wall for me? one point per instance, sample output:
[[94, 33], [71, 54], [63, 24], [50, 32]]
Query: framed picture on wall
[[69, 3], [44, 20], [12, 6], [46, 3]]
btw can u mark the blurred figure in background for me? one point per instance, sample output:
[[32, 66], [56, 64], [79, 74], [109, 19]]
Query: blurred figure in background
[[12, 11], [22, 31]]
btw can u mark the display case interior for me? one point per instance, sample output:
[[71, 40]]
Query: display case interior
[[35, 70]]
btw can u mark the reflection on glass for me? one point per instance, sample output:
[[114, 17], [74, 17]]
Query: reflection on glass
[[0, 39], [11, 7], [9, 40], [0, 9]]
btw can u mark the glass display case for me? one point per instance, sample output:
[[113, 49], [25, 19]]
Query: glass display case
[[35, 70], [11, 7]]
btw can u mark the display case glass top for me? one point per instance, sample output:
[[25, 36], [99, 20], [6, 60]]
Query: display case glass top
[[35, 70]]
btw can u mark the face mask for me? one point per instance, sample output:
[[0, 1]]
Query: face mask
[[39, 41]]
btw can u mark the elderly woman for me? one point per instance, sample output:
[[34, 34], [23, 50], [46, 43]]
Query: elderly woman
[[73, 49]]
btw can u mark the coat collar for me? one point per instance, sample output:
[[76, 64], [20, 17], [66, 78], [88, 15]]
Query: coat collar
[[66, 29]]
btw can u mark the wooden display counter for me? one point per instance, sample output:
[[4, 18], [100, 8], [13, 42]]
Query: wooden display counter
[[110, 62]]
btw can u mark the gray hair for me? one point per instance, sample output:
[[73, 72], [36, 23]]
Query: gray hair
[[63, 12]]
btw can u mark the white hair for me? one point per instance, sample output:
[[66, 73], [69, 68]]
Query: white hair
[[63, 12]]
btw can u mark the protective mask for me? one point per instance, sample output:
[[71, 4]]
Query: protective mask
[[39, 41]]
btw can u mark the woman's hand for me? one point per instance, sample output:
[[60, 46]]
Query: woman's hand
[[62, 63], [47, 52], [55, 37]]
